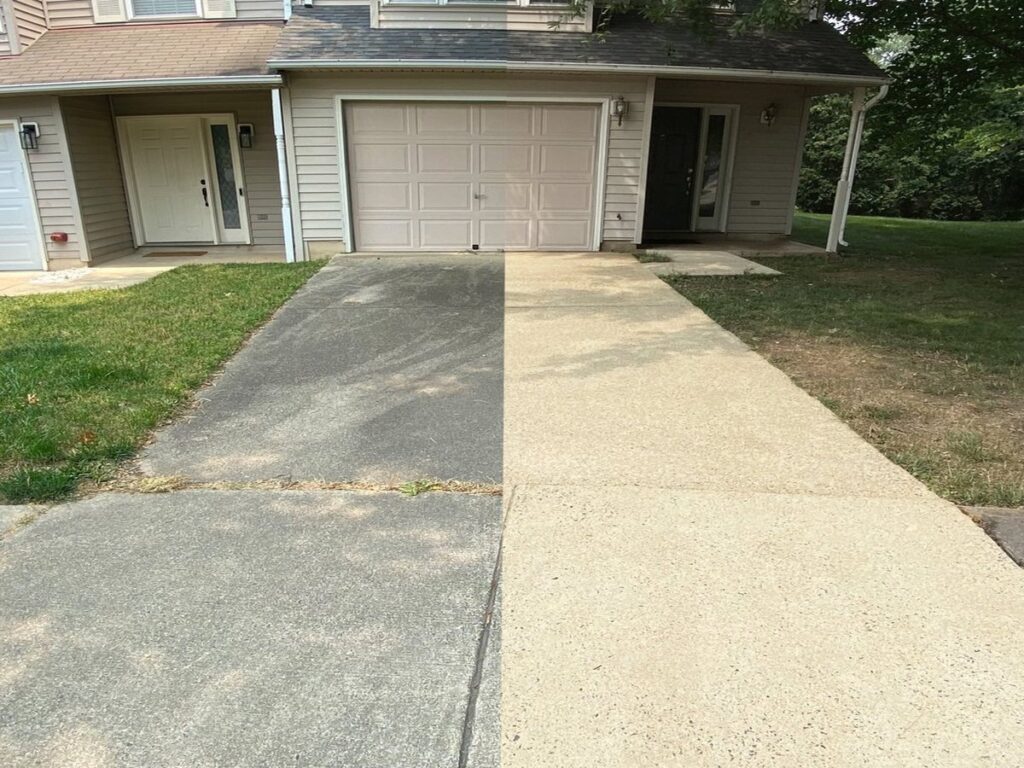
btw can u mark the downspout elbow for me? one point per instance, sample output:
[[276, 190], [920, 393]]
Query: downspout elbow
[[882, 93]]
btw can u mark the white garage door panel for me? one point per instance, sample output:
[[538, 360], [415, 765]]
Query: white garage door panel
[[21, 245], [439, 175]]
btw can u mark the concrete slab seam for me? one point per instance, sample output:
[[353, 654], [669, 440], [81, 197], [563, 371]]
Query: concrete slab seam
[[478, 666]]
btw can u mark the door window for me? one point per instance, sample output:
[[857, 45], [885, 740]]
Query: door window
[[714, 169], [227, 186]]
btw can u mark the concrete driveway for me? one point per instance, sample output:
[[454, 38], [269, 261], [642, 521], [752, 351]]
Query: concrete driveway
[[379, 369], [271, 628], [700, 564]]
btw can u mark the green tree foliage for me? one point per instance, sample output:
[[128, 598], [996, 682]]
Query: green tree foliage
[[956, 169]]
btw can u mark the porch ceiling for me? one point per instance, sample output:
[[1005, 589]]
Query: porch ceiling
[[125, 56]]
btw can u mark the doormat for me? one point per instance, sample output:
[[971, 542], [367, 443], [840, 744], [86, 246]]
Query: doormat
[[175, 254]]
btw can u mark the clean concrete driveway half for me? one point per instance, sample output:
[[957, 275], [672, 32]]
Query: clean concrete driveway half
[[246, 628], [384, 370], [703, 566]]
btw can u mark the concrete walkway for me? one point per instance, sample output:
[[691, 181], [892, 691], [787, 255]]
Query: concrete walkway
[[704, 567]]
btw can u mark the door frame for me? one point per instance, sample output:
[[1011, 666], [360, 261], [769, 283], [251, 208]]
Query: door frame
[[600, 171], [216, 216], [732, 112], [44, 260]]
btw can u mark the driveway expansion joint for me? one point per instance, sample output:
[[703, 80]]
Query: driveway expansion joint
[[465, 746]]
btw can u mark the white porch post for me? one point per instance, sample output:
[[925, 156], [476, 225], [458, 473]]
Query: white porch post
[[841, 207], [282, 173]]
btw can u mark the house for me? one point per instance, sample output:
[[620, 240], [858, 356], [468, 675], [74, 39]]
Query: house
[[396, 125]]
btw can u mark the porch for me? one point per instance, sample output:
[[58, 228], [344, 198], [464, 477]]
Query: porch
[[179, 171]]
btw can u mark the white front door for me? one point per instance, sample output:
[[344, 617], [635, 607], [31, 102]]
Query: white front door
[[173, 191], [21, 244], [451, 176]]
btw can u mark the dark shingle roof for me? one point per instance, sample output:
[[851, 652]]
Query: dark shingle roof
[[342, 35]]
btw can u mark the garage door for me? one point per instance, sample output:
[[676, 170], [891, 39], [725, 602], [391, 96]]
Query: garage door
[[20, 244], [452, 176]]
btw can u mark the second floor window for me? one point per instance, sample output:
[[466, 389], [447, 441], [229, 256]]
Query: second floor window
[[144, 8]]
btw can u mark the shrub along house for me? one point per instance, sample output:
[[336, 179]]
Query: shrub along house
[[395, 125]]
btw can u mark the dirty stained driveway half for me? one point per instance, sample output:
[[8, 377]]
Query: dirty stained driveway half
[[382, 369], [286, 627]]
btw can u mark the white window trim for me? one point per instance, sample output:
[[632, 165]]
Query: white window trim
[[129, 9]]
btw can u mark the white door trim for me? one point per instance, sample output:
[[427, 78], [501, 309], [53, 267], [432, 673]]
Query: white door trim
[[601, 170], [134, 210], [44, 260]]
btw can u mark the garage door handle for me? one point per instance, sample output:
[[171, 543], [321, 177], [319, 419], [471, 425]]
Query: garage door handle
[[206, 197], [478, 196]]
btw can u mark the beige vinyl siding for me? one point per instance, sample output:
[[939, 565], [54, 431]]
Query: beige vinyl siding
[[767, 159], [94, 160], [31, 17], [259, 164], [77, 13], [316, 151], [533, 18], [69, 13], [51, 177]]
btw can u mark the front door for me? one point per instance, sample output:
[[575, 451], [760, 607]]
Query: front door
[[20, 242], [173, 188], [671, 168]]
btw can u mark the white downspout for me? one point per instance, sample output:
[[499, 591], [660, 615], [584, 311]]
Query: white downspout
[[844, 189], [287, 10], [282, 173]]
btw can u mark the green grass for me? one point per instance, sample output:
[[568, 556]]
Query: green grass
[[915, 337], [85, 376], [651, 257]]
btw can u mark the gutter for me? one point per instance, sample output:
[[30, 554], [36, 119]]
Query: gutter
[[716, 73], [125, 85]]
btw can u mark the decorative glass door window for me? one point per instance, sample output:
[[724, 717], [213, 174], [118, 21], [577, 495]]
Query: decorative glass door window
[[228, 189]]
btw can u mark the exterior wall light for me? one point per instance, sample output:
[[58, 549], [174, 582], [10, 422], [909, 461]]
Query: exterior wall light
[[245, 134], [620, 108], [29, 135], [768, 115]]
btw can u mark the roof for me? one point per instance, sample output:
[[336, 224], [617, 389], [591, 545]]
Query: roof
[[143, 55], [341, 36]]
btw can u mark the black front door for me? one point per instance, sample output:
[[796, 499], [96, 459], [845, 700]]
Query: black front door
[[671, 167]]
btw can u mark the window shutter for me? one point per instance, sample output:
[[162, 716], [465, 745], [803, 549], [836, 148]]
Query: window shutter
[[108, 10], [219, 9]]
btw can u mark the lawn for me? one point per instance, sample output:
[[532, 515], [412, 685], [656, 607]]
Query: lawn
[[915, 337], [85, 376]]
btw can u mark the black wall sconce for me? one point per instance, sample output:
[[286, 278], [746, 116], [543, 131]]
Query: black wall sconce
[[245, 135], [620, 108], [29, 135], [768, 115]]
